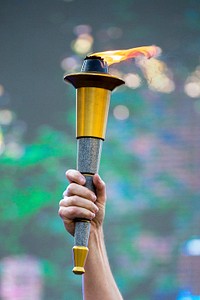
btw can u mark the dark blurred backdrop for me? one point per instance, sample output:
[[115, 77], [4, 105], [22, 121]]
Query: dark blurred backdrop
[[153, 173]]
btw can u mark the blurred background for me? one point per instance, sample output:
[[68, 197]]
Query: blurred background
[[150, 159]]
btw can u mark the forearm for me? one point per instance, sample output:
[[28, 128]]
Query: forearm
[[98, 281]]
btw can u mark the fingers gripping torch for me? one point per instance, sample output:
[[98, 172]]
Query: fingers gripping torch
[[93, 90]]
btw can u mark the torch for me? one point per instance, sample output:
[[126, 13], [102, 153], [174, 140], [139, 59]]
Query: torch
[[93, 90], [94, 85]]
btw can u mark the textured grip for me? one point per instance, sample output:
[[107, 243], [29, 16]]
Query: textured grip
[[82, 227], [89, 183], [88, 158], [81, 236]]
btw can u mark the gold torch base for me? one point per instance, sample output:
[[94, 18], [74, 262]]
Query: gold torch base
[[80, 255]]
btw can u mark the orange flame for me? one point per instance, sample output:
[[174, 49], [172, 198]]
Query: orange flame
[[116, 56]]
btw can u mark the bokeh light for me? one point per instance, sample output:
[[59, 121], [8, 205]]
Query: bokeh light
[[116, 72], [132, 80], [192, 89], [193, 247], [83, 44], [6, 117], [14, 150], [121, 112], [82, 29], [2, 145], [192, 84], [70, 64], [21, 278], [11, 132]]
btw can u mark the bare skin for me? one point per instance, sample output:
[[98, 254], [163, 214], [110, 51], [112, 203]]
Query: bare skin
[[79, 202]]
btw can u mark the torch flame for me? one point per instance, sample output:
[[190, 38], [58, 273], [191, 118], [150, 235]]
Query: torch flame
[[116, 56]]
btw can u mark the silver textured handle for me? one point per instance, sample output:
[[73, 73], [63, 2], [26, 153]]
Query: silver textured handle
[[82, 227], [88, 158]]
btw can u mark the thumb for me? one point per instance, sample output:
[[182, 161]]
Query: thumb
[[100, 189]]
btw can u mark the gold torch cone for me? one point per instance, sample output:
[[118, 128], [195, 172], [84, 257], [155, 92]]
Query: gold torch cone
[[91, 113], [94, 86], [92, 102]]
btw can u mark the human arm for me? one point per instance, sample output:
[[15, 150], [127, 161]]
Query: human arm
[[79, 202]]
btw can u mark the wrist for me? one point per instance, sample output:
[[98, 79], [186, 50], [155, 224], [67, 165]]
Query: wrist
[[96, 237], [97, 251]]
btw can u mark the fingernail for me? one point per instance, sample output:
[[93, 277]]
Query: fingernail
[[94, 197], [93, 215], [82, 179], [96, 209]]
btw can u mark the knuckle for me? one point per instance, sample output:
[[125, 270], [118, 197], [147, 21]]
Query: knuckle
[[65, 193], [90, 195], [61, 202], [68, 189], [72, 185], [67, 213], [60, 212], [73, 200], [72, 211]]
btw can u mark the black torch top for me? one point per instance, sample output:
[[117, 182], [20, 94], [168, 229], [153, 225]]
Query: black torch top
[[94, 64], [94, 73]]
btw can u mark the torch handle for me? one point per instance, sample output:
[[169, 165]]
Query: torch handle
[[81, 236], [88, 159], [82, 227]]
